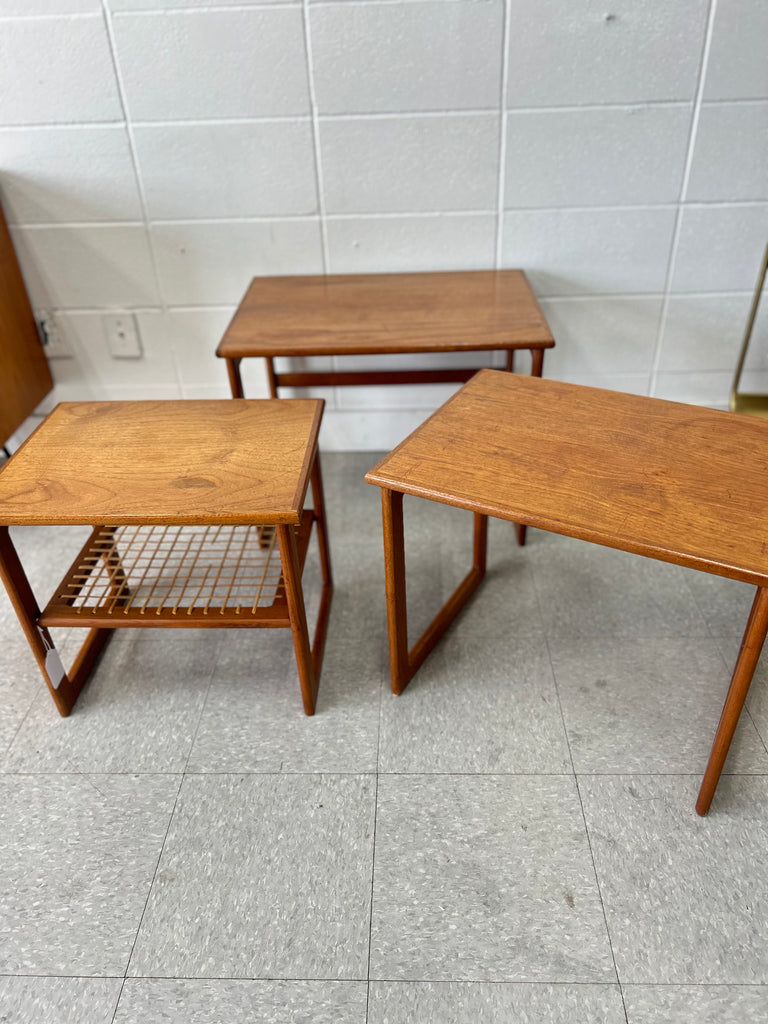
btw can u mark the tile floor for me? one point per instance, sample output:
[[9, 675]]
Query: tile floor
[[512, 840]]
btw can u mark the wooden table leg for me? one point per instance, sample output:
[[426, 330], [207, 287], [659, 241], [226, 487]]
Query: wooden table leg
[[289, 556], [394, 573], [271, 376], [749, 654], [235, 380], [321, 628], [404, 663], [64, 687], [537, 368]]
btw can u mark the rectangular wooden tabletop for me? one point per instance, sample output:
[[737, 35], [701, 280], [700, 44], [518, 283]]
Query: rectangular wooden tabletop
[[231, 461], [679, 483], [380, 313]]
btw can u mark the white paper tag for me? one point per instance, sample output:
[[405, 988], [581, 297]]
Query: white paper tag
[[53, 666]]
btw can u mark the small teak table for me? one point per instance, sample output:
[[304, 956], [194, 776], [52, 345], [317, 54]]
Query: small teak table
[[379, 314], [198, 517], [679, 483]]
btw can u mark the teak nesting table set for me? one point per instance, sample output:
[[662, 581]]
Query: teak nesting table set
[[197, 508]]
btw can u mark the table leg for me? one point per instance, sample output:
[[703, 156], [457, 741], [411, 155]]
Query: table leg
[[321, 628], [235, 380], [537, 368], [271, 376], [64, 687], [394, 575], [289, 556], [749, 654], [404, 663]]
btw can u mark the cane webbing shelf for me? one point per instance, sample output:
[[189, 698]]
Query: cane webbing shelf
[[187, 575]]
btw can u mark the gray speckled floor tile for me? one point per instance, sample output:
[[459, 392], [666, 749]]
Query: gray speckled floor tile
[[647, 706], [253, 719], [467, 1003], [263, 877], [696, 1004], [504, 605], [485, 878], [477, 706], [242, 1002], [686, 897], [137, 713], [20, 685], [588, 590], [77, 856], [724, 603], [58, 1000]]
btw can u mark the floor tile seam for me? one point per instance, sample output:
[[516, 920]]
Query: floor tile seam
[[586, 832], [282, 774], [628, 637], [373, 886], [757, 729], [694, 984], [694, 773], [526, 982], [204, 703], [65, 977], [77, 774], [245, 979], [556, 983], [33, 701], [666, 775], [150, 888], [586, 826], [531, 982]]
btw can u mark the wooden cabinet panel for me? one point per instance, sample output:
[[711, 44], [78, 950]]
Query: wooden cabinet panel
[[25, 377]]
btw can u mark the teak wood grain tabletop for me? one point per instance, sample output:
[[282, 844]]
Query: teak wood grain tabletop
[[164, 462], [198, 520], [378, 314], [679, 483]]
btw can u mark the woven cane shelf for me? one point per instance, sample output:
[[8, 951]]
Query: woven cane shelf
[[176, 575]]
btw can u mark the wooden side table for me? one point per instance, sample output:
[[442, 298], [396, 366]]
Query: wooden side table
[[199, 520], [379, 314], [674, 482], [384, 314]]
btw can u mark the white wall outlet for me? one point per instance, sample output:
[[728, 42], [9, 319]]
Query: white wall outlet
[[54, 343], [122, 335]]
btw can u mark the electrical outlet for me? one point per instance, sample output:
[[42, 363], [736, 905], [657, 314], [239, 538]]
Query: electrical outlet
[[54, 343], [122, 335]]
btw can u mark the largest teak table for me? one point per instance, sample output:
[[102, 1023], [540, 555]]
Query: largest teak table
[[198, 520], [674, 482], [383, 314]]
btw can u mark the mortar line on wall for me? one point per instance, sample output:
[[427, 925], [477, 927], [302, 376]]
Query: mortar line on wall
[[375, 215], [373, 115], [107, 14], [506, 15], [697, 104], [318, 161], [214, 122], [315, 134]]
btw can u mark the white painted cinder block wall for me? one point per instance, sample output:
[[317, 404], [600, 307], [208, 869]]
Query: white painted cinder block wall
[[155, 154]]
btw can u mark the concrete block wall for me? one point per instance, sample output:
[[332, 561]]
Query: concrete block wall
[[155, 154]]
